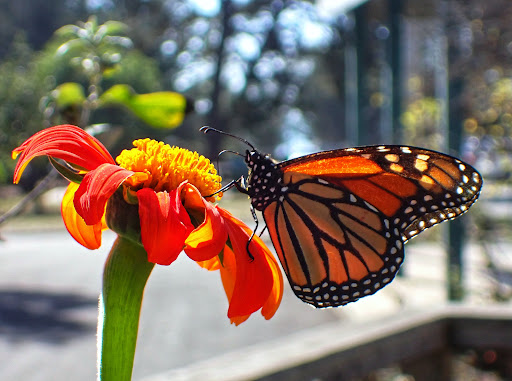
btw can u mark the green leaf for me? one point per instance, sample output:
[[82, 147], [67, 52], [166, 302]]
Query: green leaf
[[164, 109], [68, 30], [121, 41], [111, 27], [78, 45], [66, 172], [91, 25], [69, 94]]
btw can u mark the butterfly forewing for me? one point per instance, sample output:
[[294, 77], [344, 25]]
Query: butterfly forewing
[[338, 219], [417, 187]]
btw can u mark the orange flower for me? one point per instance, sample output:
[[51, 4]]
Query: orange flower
[[161, 197]]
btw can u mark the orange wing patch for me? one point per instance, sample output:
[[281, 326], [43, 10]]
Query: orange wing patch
[[337, 272], [450, 169], [306, 248], [368, 186], [343, 166], [320, 216]]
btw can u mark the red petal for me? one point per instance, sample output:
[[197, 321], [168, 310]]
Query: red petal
[[66, 142], [228, 272], [228, 276], [254, 278], [96, 188], [86, 235], [164, 224], [276, 295], [208, 239], [211, 264]]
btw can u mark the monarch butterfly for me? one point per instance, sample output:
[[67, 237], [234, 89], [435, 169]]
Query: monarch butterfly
[[339, 219]]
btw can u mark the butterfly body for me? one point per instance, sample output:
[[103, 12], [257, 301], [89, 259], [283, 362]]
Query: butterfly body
[[339, 219], [264, 181]]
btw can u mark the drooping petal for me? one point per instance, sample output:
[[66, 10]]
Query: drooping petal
[[237, 320], [66, 142], [210, 264], [228, 276], [276, 295], [164, 224], [254, 278], [208, 239], [95, 190], [86, 235]]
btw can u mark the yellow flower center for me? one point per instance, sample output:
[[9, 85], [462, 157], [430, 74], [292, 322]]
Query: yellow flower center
[[167, 167]]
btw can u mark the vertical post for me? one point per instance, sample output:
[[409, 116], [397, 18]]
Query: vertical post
[[455, 229], [396, 8], [351, 91], [455, 233], [395, 19], [361, 36]]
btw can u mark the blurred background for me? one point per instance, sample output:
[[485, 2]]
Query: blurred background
[[292, 77]]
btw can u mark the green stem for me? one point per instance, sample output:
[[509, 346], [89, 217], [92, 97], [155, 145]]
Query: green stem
[[126, 272]]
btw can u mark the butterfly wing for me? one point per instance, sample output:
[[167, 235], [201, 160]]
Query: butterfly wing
[[417, 187], [333, 246], [339, 219]]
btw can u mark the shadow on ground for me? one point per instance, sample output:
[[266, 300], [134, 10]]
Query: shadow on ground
[[44, 316]]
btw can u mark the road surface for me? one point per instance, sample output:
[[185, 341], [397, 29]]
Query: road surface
[[48, 302]]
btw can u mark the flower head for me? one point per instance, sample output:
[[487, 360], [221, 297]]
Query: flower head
[[167, 167], [161, 197]]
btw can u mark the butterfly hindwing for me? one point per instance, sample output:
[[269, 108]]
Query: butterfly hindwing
[[334, 247]]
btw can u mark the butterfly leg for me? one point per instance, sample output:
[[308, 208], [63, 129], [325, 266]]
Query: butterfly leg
[[228, 186], [239, 184], [256, 221]]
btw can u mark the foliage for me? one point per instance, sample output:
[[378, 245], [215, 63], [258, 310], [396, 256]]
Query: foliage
[[421, 122], [97, 52], [63, 82], [491, 123]]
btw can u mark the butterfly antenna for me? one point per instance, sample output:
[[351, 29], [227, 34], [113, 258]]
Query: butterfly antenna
[[207, 129], [227, 150]]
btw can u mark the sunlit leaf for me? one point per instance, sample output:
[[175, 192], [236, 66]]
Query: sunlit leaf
[[75, 45], [68, 30], [164, 109], [69, 94], [111, 28], [91, 25], [124, 42]]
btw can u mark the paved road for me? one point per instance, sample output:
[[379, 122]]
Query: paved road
[[48, 301]]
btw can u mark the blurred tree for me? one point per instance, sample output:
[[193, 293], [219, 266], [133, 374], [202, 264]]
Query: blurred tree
[[247, 63], [37, 19], [20, 91]]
